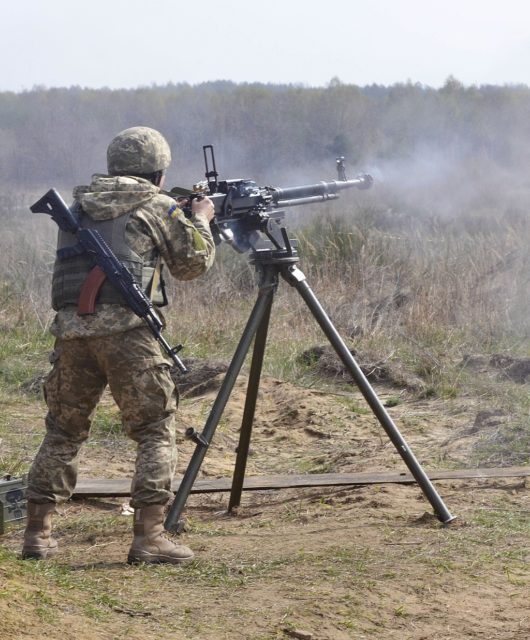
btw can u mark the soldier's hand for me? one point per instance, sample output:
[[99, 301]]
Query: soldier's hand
[[203, 205]]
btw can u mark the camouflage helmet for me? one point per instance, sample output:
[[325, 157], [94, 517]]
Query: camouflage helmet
[[138, 151]]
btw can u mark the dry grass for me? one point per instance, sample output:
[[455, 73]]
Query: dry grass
[[420, 289]]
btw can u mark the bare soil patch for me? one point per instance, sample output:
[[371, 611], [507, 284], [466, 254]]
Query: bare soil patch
[[330, 564]]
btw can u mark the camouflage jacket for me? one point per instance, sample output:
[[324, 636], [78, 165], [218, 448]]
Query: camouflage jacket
[[186, 246]]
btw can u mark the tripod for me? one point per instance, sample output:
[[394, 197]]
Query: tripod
[[270, 264]]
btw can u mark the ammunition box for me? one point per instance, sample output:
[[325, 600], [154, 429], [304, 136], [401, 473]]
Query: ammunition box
[[13, 504]]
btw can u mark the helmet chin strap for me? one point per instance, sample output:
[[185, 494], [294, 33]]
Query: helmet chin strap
[[159, 178]]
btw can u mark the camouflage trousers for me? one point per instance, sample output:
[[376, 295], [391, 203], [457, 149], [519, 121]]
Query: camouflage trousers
[[139, 379]]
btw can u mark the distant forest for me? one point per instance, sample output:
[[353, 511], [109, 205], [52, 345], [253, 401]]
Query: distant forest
[[440, 142]]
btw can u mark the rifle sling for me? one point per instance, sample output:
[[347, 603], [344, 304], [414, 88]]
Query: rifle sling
[[155, 280]]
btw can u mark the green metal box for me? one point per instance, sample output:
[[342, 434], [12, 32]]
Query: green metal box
[[13, 505]]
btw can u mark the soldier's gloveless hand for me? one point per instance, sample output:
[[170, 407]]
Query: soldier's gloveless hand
[[203, 205]]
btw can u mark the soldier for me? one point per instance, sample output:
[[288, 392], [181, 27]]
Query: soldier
[[146, 230]]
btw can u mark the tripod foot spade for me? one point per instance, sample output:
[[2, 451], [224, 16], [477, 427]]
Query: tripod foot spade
[[179, 527]]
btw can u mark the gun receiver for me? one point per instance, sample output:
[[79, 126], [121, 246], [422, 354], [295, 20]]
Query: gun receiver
[[243, 209]]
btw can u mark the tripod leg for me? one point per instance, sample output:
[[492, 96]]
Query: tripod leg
[[250, 407], [260, 310], [296, 278]]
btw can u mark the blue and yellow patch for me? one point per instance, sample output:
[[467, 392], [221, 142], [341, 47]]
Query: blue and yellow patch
[[173, 211]]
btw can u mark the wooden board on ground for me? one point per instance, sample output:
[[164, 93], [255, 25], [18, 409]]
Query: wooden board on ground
[[96, 488]]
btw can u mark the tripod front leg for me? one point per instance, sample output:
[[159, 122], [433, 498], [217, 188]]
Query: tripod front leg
[[260, 342], [297, 279], [258, 316]]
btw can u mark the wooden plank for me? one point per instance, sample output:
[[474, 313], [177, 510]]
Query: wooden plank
[[93, 487]]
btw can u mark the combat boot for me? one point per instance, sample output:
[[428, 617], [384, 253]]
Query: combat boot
[[150, 545], [38, 543]]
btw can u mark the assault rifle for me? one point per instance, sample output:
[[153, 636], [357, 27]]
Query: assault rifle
[[107, 267], [243, 209]]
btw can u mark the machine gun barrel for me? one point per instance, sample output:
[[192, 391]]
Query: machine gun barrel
[[292, 196]]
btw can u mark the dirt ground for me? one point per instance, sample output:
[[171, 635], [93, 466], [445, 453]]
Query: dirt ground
[[321, 564]]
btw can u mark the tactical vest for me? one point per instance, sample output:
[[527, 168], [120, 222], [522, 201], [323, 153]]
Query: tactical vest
[[70, 273]]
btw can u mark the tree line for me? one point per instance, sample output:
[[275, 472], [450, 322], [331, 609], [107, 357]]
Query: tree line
[[444, 139], [449, 204]]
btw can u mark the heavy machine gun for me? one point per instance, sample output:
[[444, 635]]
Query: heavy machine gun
[[249, 218], [244, 210]]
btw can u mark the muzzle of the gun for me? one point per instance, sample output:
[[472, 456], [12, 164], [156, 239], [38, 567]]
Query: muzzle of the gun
[[306, 194], [365, 181]]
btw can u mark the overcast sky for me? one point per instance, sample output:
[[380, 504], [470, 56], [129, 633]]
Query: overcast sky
[[130, 43]]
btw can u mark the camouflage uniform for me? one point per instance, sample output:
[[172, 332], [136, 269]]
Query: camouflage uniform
[[114, 347]]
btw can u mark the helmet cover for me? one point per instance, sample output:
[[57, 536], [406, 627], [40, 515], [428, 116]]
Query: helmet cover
[[138, 151]]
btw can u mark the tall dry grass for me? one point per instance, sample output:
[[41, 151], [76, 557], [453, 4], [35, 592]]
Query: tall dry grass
[[422, 288], [416, 282]]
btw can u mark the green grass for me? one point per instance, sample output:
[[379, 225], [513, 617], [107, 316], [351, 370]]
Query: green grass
[[23, 355], [315, 465], [337, 580], [18, 437], [507, 446], [36, 576], [495, 539], [12, 465], [355, 406], [107, 423]]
